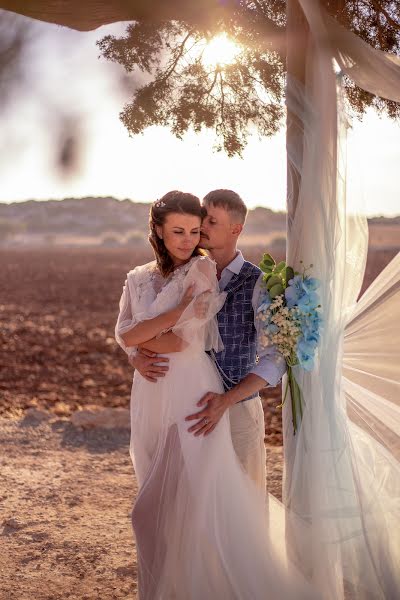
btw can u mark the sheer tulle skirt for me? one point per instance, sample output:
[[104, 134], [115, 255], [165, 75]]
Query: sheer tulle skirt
[[202, 526]]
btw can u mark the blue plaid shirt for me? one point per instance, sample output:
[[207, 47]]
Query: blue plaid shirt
[[271, 367]]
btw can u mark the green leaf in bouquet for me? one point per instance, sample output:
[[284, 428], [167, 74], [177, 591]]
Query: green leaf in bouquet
[[289, 274], [280, 267], [276, 290], [267, 268], [275, 279], [267, 259], [266, 277]]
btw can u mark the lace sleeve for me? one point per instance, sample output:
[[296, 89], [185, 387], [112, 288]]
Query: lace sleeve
[[129, 315], [202, 329]]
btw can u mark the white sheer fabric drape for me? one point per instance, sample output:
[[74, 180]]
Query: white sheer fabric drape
[[342, 471]]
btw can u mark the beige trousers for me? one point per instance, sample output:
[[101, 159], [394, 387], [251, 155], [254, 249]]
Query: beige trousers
[[248, 430]]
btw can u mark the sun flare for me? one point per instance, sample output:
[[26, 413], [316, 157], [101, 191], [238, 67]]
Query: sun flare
[[220, 51]]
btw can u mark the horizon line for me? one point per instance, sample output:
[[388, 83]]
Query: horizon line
[[10, 202]]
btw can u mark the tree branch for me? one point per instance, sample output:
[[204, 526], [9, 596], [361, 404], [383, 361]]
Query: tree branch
[[178, 56], [221, 83], [379, 8], [212, 85]]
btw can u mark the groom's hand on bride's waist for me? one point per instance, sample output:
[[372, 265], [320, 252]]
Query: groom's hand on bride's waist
[[214, 405], [148, 364]]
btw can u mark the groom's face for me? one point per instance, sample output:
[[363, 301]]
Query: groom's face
[[217, 229]]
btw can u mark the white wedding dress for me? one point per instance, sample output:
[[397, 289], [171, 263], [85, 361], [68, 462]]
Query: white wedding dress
[[202, 526]]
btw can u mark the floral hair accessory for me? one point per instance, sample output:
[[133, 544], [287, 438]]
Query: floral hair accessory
[[159, 204]]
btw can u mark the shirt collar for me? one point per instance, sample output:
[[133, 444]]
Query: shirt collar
[[236, 264]]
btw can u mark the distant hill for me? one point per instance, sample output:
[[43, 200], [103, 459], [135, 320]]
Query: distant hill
[[85, 216], [107, 221]]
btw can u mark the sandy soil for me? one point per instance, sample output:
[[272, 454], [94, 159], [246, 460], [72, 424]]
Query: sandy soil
[[66, 498], [66, 495]]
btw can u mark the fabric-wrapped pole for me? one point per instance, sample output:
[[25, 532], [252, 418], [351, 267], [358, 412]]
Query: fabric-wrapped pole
[[342, 470]]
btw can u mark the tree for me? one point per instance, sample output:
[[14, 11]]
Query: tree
[[182, 90], [165, 42]]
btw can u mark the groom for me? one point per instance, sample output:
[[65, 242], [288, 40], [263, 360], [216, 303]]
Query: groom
[[243, 377]]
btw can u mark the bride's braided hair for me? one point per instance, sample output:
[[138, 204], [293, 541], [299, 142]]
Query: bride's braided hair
[[172, 202]]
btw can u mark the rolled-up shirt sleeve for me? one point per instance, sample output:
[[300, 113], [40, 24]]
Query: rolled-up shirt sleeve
[[271, 366]]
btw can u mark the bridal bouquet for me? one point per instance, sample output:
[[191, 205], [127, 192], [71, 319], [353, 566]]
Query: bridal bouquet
[[291, 320]]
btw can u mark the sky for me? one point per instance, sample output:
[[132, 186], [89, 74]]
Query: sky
[[66, 77]]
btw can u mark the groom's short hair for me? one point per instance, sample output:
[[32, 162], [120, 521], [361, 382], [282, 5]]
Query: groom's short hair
[[229, 200]]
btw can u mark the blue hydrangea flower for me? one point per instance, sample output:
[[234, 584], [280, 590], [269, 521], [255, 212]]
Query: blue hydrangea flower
[[310, 284], [306, 361], [308, 300], [305, 355], [294, 291], [311, 337], [300, 292]]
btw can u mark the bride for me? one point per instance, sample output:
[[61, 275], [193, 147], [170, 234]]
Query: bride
[[202, 526]]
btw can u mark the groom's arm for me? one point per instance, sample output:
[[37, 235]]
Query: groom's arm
[[214, 405], [266, 373], [249, 385], [271, 367]]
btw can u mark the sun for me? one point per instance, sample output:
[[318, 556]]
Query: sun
[[220, 51]]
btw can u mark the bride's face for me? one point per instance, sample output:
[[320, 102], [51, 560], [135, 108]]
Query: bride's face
[[181, 235]]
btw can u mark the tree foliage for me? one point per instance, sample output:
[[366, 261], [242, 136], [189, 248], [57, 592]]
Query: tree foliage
[[182, 91]]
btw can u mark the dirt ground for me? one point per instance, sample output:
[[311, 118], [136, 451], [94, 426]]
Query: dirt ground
[[66, 498], [66, 492], [66, 495]]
